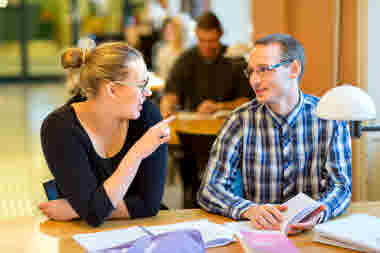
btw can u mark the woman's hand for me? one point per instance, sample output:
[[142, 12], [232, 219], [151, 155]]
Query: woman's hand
[[153, 138], [58, 209]]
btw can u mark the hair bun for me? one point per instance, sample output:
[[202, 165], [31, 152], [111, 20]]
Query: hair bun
[[72, 58], [87, 45]]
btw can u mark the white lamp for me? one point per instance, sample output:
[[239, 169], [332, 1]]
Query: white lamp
[[349, 103]]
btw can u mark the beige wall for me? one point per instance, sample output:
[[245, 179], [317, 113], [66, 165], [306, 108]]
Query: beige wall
[[313, 23]]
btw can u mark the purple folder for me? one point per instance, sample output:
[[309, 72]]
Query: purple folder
[[184, 241]]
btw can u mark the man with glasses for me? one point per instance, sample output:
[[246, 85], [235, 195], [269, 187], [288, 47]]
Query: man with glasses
[[275, 147]]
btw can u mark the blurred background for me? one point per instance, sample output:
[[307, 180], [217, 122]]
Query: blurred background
[[340, 37]]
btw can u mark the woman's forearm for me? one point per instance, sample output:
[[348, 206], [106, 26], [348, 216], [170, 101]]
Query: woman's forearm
[[118, 183]]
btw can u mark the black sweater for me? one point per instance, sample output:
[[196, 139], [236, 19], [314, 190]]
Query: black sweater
[[80, 172]]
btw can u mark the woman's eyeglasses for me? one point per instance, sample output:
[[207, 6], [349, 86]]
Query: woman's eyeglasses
[[143, 86]]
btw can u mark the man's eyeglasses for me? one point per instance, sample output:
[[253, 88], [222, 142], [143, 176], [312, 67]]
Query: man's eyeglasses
[[143, 86], [260, 70]]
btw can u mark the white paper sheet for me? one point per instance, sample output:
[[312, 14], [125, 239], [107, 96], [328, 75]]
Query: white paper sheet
[[108, 239], [246, 226]]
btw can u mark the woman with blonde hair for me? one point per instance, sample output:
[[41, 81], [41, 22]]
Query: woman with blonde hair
[[107, 147], [175, 41]]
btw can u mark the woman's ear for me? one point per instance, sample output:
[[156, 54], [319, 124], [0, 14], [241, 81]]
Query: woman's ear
[[110, 90], [295, 69]]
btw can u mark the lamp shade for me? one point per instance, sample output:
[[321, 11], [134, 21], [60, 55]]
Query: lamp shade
[[346, 102]]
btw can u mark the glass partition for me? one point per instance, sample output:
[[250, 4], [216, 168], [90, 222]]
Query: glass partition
[[10, 46], [51, 24]]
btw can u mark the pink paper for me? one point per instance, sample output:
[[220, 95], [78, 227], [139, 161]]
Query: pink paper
[[267, 242]]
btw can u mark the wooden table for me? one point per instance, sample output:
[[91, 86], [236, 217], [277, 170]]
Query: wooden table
[[36, 234]]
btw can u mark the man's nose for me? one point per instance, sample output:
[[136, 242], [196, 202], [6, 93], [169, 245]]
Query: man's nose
[[254, 78], [147, 92]]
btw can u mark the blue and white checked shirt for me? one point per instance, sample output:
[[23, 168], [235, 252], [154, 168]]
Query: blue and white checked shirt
[[247, 160]]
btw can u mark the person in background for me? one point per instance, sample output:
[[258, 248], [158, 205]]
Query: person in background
[[205, 81], [106, 147], [202, 79], [274, 147], [171, 46]]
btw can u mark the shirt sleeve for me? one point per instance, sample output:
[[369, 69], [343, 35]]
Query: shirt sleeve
[[150, 178], [68, 161], [338, 166], [218, 193]]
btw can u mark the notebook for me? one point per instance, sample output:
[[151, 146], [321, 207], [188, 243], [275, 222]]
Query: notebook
[[358, 231], [213, 235], [298, 208], [258, 242]]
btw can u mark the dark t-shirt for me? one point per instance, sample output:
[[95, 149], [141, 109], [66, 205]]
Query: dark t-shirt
[[194, 79], [80, 172]]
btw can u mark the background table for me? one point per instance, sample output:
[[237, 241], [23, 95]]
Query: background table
[[36, 234], [196, 126], [193, 135]]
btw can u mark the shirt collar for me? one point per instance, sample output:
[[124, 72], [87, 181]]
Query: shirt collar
[[291, 118]]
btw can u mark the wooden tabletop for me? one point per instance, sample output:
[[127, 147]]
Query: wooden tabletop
[[36, 234]]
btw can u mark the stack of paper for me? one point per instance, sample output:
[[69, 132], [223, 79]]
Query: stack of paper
[[358, 231]]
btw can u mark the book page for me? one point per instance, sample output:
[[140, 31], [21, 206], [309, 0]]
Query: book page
[[298, 208], [298, 204], [108, 239]]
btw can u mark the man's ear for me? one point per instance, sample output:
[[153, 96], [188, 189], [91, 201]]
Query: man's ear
[[295, 69]]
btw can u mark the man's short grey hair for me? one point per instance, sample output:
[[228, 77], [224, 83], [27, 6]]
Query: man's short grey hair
[[291, 48]]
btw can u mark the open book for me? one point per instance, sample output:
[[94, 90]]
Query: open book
[[358, 231], [299, 207], [213, 235]]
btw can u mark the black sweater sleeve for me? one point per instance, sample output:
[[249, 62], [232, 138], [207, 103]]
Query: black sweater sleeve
[[68, 161], [150, 179]]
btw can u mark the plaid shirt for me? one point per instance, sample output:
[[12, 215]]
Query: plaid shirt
[[247, 160]]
